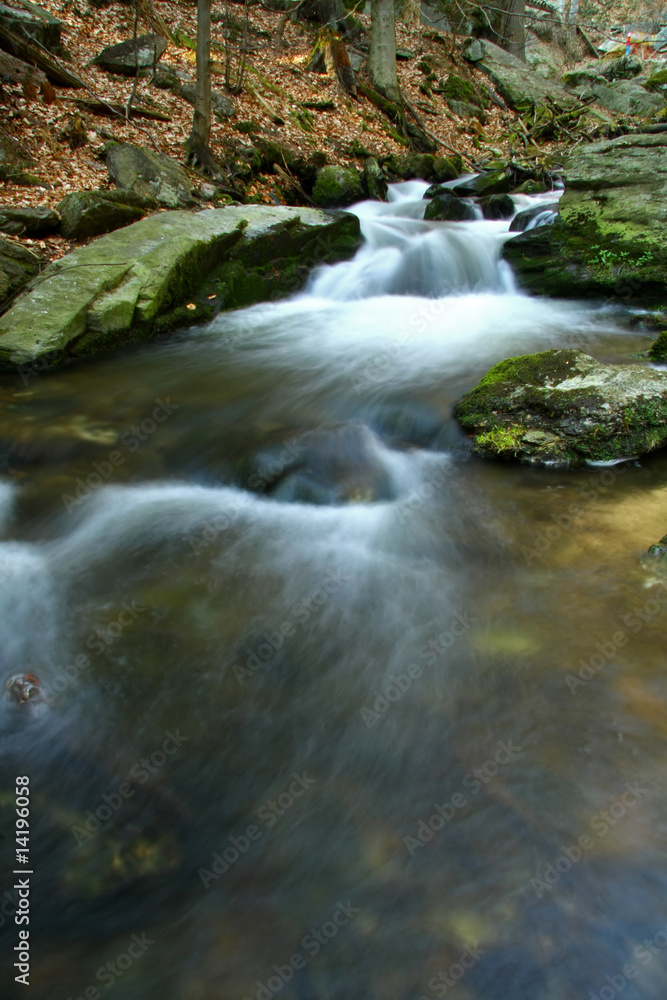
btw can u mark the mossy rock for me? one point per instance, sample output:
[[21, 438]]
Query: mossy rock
[[139, 280], [91, 213], [564, 407], [337, 187], [17, 266], [658, 351], [488, 182], [447, 168], [446, 207], [455, 88]]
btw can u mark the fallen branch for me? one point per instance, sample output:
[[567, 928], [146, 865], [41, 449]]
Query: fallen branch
[[30, 50], [98, 107], [266, 107]]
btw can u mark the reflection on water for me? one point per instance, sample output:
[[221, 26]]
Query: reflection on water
[[328, 708]]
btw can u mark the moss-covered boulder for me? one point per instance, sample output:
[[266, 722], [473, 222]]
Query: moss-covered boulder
[[658, 351], [487, 182], [151, 175], [165, 271], [610, 237], [374, 180], [91, 213], [446, 207], [516, 83], [17, 266], [497, 206], [565, 407], [337, 187]]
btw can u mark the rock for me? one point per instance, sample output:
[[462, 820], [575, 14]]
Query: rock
[[565, 407], [657, 79], [221, 106], [488, 182], [337, 186], [447, 168], [273, 149], [610, 237], [15, 163], [90, 213], [168, 77], [624, 68], [374, 180], [207, 192], [582, 77], [530, 218], [627, 97], [497, 206], [150, 174], [28, 221], [474, 51], [434, 190], [462, 109], [447, 207], [124, 58], [17, 266], [658, 351], [35, 22], [144, 275], [530, 187], [520, 86]]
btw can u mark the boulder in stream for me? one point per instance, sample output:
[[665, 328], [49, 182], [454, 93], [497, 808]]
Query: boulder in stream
[[337, 187], [564, 407], [610, 237], [170, 269], [447, 207]]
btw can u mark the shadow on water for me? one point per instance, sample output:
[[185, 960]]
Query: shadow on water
[[327, 708]]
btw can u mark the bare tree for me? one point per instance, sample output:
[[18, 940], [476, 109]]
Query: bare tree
[[503, 22], [198, 142], [382, 55]]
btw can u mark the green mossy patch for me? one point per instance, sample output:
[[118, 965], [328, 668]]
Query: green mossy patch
[[563, 407]]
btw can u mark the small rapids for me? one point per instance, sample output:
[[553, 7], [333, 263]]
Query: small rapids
[[307, 723]]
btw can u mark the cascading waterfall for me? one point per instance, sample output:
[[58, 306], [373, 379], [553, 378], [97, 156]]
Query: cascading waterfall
[[355, 638]]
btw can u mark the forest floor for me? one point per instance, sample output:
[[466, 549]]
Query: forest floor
[[277, 72]]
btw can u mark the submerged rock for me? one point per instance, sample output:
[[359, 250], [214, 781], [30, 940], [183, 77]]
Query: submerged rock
[[565, 407], [610, 237], [446, 207], [151, 175], [145, 274]]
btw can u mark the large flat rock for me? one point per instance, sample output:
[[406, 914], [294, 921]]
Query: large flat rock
[[563, 407], [137, 281], [516, 83], [610, 237]]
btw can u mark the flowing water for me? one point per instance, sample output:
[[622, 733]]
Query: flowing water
[[332, 709]]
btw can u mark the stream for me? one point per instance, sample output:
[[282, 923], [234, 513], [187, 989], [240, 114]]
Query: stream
[[330, 709]]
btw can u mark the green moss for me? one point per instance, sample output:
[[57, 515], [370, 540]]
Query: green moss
[[501, 439], [658, 351], [454, 88]]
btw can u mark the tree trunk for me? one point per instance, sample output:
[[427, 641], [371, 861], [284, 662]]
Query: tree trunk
[[504, 24], [198, 142], [408, 11], [382, 56]]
